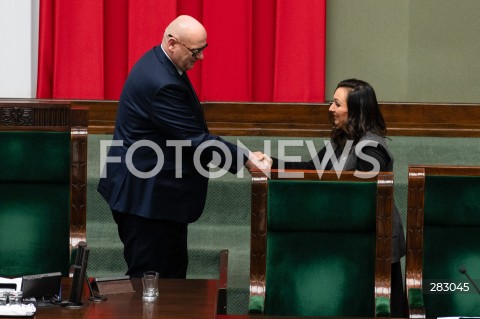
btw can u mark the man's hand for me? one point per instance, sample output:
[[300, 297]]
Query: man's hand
[[258, 160]]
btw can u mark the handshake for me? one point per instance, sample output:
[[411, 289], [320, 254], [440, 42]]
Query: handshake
[[259, 160]]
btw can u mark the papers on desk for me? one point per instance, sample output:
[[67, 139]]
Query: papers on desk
[[9, 284], [17, 310]]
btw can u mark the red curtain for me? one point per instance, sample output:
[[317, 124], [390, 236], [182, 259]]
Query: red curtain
[[268, 50]]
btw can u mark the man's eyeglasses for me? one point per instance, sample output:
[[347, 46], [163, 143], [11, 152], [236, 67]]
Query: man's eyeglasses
[[195, 51]]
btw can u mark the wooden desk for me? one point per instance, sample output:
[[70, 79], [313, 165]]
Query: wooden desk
[[178, 298], [283, 317]]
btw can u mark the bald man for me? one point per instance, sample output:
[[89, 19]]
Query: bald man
[[156, 174]]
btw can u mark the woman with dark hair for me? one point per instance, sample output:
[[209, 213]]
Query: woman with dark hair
[[358, 143], [357, 120]]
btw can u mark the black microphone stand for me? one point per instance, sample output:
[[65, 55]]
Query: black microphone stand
[[463, 270], [93, 297]]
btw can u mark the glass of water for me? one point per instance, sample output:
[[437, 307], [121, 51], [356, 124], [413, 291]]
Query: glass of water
[[150, 286]]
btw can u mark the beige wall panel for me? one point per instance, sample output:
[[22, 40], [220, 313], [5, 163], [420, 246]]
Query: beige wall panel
[[410, 51]]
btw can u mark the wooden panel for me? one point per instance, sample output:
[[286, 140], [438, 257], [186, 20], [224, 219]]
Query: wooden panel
[[454, 120], [446, 170], [102, 115], [312, 120], [309, 120]]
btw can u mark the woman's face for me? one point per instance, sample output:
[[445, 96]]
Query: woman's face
[[339, 108]]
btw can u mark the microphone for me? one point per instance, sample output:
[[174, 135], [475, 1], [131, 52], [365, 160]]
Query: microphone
[[93, 297], [463, 271]]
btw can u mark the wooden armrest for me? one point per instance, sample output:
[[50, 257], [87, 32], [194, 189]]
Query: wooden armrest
[[222, 283]]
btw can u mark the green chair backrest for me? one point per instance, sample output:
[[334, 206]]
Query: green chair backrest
[[451, 241], [34, 202], [320, 248]]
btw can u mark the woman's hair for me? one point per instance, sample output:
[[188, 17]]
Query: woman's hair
[[364, 114]]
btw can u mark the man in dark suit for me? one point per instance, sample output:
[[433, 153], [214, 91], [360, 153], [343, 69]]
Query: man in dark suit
[[156, 174]]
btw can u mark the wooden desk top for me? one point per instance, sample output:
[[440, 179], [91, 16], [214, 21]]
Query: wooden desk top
[[253, 316], [178, 298]]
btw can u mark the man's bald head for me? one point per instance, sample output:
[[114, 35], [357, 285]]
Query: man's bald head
[[186, 28], [182, 38]]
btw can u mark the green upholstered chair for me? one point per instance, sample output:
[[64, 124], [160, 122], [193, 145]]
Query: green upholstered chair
[[321, 246], [43, 151], [443, 237]]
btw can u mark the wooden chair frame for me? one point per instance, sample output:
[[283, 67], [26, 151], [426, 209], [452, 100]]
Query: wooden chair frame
[[415, 221], [222, 283], [57, 116], [259, 225]]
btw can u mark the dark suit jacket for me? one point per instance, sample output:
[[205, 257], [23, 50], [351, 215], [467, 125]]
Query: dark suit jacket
[[158, 105]]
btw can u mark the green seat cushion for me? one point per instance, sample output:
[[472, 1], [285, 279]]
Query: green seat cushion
[[34, 228], [34, 203], [382, 307], [35, 156], [326, 206], [446, 249], [256, 304], [320, 248], [320, 274], [452, 200], [451, 241]]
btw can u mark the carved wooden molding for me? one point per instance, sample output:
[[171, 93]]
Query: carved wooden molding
[[18, 115], [415, 217], [258, 241], [78, 209], [384, 235], [78, 179]]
